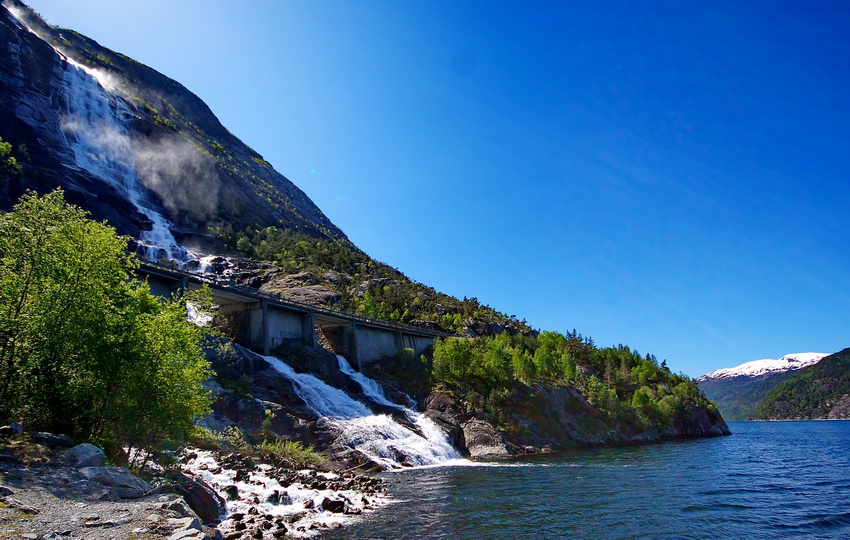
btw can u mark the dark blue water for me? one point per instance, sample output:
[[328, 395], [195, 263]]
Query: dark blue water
[[768, 480]]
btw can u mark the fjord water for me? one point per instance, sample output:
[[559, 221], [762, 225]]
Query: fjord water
[[768, 480]]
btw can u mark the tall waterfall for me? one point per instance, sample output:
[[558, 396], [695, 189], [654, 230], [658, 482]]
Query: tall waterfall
[[95, 127], [378, 436]]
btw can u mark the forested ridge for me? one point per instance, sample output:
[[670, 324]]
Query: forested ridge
[[816, 392], [488, 370]]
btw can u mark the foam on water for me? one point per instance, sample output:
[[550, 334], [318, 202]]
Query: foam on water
[[378, 436]]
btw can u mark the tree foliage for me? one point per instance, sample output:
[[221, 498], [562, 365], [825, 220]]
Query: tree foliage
[[9, 165], [810, 393], [489, 371], [374, 289], [85, 349]]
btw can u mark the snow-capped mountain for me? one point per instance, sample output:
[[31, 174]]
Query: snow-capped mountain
[[738, 390], [757, 368]]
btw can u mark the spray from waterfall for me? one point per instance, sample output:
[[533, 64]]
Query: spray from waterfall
[[378, 436], [95, 127]]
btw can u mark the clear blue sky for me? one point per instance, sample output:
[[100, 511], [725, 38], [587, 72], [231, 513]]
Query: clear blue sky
[[670, 176]]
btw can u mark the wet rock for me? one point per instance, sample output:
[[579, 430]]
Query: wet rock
[[449, 417], [335, 506], [203, 499], [4, 491], [86, 455], [231, 492]]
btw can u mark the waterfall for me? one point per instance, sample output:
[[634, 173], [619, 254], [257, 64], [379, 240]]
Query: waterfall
[[95, 127], [378, 436]]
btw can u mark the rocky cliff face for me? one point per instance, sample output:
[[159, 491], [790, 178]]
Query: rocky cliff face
[[129, 144], [556, 418]]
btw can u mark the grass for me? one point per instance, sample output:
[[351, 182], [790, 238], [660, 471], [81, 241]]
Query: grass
[[271, 448]]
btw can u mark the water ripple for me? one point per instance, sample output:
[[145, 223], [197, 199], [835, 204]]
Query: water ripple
[[769, 480]]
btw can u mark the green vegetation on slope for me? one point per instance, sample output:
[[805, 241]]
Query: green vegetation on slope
[[375, 290], [490, 372], [815, 392], [9, 165], [487, 372], [738, 397], [84, 349]]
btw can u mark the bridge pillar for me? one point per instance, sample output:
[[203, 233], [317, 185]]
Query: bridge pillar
[[264, 305], [308, 330], [351, 353]]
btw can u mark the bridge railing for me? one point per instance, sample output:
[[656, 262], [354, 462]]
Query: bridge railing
[[229, 285]]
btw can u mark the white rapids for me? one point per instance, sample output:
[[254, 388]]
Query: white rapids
[[378, 436]]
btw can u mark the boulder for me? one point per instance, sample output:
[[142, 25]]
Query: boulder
[[179, 507], [231, 492], [86, 455], [51, 440], [483, 441], [200, 497], [122, 482], [335, 506], [12, 429], [448, 416]]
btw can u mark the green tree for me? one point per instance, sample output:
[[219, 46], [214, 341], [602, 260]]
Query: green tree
[[9, 165], [85, 349]]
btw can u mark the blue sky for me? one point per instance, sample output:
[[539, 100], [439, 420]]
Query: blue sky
[[669, 176]]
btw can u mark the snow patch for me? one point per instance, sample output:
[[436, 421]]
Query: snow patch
[[758, 368]]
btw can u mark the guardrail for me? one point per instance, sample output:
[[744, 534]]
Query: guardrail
[[229, 285]]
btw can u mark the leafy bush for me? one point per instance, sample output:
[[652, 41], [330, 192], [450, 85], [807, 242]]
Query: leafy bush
[[84, 348], [293, 453]]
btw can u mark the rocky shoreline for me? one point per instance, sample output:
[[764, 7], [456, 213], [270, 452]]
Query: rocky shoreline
[[51, 491]]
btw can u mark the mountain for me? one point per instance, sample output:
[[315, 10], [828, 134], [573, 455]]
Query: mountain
[[139, 150], [818, 392], [131, 145], [738, 390]]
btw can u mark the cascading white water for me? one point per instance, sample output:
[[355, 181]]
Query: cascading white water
[[378, 436], [370, 386], [95, 127]]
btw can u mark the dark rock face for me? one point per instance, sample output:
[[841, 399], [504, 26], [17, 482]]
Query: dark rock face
[[552, 418], [192, 170], [200, 497]]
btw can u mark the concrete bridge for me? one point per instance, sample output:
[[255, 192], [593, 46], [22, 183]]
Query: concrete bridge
[[263, 322]]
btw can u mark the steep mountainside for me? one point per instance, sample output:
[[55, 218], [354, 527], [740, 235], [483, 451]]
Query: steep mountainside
[[819, 392], [129, 144], [138, 149], [738, 390]]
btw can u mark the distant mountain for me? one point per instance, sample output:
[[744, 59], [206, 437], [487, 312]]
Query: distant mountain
[[739, 390], [818, 392]]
